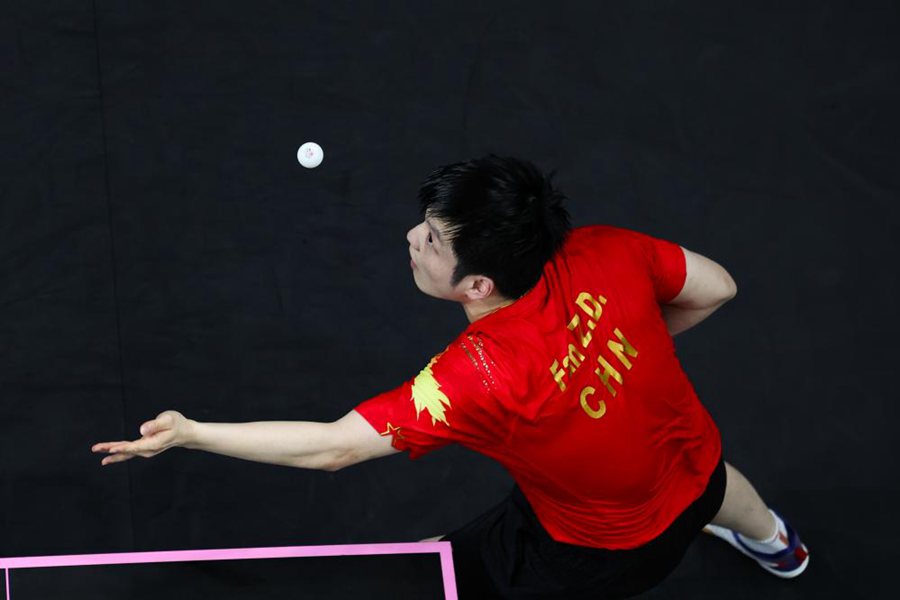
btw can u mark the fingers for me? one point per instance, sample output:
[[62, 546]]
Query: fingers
[[141, 446], [116, 447], [156, 435], [124, 450], [121, 451], [105, 446], [115, 450], [115, 458]]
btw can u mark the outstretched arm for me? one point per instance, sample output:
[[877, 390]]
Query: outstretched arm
[[304, 444]]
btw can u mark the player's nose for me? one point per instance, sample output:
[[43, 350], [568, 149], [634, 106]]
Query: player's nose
[[411, 238]]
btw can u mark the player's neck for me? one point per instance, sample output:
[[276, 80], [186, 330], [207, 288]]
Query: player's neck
[[478, 309]]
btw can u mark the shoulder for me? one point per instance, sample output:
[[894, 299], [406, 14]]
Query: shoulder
[[602, 242], [612, 239], [504, 357], [595, 234], [475, 356]]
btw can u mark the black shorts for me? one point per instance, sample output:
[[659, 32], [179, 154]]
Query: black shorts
[[506, 553]]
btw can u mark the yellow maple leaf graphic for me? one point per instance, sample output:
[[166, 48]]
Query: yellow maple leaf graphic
[[427, 394]]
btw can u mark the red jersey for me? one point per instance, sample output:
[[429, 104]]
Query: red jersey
[[575, 388]]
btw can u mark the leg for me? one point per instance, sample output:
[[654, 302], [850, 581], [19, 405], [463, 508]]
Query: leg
[[743, 510]]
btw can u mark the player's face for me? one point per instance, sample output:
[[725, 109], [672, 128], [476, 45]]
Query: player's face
[[433, 259]]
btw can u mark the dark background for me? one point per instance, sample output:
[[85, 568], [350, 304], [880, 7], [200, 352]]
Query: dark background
[[160, 247]]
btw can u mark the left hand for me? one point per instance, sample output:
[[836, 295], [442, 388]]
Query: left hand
[[167, 430]]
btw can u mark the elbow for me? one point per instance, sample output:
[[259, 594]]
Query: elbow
[[726, 286], [336, 461], [731, 293], [324, 461], [732, 289], [332, 467]]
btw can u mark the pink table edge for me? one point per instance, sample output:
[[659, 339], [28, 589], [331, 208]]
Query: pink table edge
[[72, 560]]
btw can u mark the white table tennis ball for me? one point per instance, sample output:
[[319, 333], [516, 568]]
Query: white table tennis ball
[[310, 155]]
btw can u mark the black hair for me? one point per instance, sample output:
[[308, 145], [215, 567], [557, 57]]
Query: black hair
[[503, 217]]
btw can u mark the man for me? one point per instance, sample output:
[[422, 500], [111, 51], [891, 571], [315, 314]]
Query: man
[[566, 375]]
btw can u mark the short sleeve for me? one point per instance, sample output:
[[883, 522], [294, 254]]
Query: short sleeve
[[448, 401], [666, 264]]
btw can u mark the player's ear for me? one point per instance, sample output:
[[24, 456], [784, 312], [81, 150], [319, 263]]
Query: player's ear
[[480, 288]]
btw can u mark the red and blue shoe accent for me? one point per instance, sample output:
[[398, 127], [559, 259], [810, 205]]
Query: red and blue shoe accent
[[786, 563]]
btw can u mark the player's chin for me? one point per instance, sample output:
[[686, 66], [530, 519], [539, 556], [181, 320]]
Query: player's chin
[[425, 290]]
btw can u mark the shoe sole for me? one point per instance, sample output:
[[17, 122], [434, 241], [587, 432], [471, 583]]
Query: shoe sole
[[726, 534]]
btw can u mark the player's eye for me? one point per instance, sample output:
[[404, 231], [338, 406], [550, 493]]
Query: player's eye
[[429, 237]]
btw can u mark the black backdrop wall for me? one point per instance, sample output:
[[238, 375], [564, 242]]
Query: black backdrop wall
[[160, 247]]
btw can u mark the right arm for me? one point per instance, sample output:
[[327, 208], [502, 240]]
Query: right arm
[[707, 286]]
